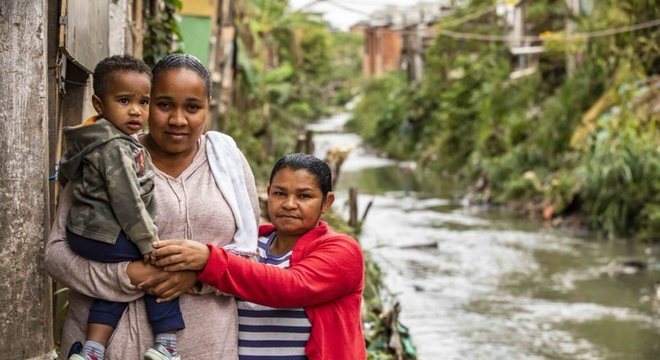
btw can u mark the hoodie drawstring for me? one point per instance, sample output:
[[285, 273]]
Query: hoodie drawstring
[[189, 233], [188, 228]]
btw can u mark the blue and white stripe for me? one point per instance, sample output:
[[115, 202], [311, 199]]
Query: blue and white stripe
[[266, 333]]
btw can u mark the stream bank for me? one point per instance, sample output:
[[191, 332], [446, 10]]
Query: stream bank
[[490, 285]]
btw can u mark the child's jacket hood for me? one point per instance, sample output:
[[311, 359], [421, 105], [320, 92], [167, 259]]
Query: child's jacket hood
[[83, 139]]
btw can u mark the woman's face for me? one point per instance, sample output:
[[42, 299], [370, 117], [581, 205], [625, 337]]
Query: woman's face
[[295, 201], [179, 103]]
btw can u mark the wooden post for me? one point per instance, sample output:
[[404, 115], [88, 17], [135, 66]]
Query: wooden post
[[352, 207], [300, 144], [309, 142], [229, 50], [137, 29], [25, 291], [305, 143], [54, 138]]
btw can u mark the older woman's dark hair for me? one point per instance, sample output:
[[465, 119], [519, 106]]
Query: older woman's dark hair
[[183, 61], [311, 164]]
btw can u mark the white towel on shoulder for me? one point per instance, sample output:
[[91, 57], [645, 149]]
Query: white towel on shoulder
[[226, 164]]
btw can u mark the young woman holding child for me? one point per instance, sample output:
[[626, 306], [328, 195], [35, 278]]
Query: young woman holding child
[[205, 192], [111, 218], [308, 281]]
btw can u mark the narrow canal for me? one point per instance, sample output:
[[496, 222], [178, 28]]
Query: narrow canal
[[489, 285]]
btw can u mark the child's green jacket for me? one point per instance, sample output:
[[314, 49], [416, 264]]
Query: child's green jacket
[[113, 186]]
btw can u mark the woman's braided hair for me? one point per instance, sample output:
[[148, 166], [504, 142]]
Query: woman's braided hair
[[182, 61]]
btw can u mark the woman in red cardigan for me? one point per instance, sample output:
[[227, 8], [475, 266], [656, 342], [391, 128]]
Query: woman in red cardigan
[[302, 300]]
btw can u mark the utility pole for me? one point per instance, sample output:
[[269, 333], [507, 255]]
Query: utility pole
[[514, 29], [418, 46], [25, 291], [571, 61], [519, 31]]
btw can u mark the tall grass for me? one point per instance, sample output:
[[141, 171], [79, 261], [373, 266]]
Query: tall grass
[[620, 174]]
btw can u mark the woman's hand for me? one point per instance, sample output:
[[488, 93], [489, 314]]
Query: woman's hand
[[177, 255], [169, 285], [139, 271]]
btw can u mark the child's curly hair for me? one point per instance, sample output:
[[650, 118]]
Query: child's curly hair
[[116, 63]]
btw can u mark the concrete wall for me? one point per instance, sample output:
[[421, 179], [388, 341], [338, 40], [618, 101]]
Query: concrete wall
[[25, 292], [196, 31]]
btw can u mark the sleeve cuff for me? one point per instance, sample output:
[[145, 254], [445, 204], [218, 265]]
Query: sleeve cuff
[[145, 245], [215, 267], [124, 281]]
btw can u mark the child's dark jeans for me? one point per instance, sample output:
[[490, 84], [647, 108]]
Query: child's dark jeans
[[163, 317]]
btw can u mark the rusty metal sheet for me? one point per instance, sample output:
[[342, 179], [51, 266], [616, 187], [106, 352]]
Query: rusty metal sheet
[[86, 31]]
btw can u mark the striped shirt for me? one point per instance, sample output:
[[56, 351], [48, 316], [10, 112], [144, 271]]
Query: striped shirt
[[266, 333]]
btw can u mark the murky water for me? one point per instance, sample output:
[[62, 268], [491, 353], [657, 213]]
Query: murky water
[[489, 285]]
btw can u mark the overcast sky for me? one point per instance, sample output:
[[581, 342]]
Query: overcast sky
[[344, 13]]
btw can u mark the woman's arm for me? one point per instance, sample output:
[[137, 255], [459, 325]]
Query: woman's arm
[[107, 281], [333, 269]]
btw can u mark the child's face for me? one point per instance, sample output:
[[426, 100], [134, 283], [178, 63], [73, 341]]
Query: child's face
[[295, 201], [126, 101]]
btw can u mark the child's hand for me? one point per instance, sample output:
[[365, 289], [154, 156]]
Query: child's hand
[[147, 257], [176, 255]]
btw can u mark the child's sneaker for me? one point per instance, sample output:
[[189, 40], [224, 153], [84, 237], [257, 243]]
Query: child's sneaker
[[159, 352], [78, 357], [74, 352]]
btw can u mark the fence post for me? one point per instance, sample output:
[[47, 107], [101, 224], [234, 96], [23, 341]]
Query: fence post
[[352, 207]]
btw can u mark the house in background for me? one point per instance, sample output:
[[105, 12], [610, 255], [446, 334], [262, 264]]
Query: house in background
[[383, 45], [396, 38]]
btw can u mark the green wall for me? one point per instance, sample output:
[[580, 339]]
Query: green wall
[[196, 31]]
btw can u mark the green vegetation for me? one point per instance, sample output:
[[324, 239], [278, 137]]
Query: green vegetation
[[291, 70], [162, 30], [586, 144]]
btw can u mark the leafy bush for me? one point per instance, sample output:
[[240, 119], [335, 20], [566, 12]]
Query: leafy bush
[[621, 178], [286, 64], [526, 136], [381, 117]]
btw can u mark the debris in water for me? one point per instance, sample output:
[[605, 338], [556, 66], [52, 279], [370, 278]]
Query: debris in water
[[618, 268]]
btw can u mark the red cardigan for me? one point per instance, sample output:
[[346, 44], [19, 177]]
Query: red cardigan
[[325, 278]]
